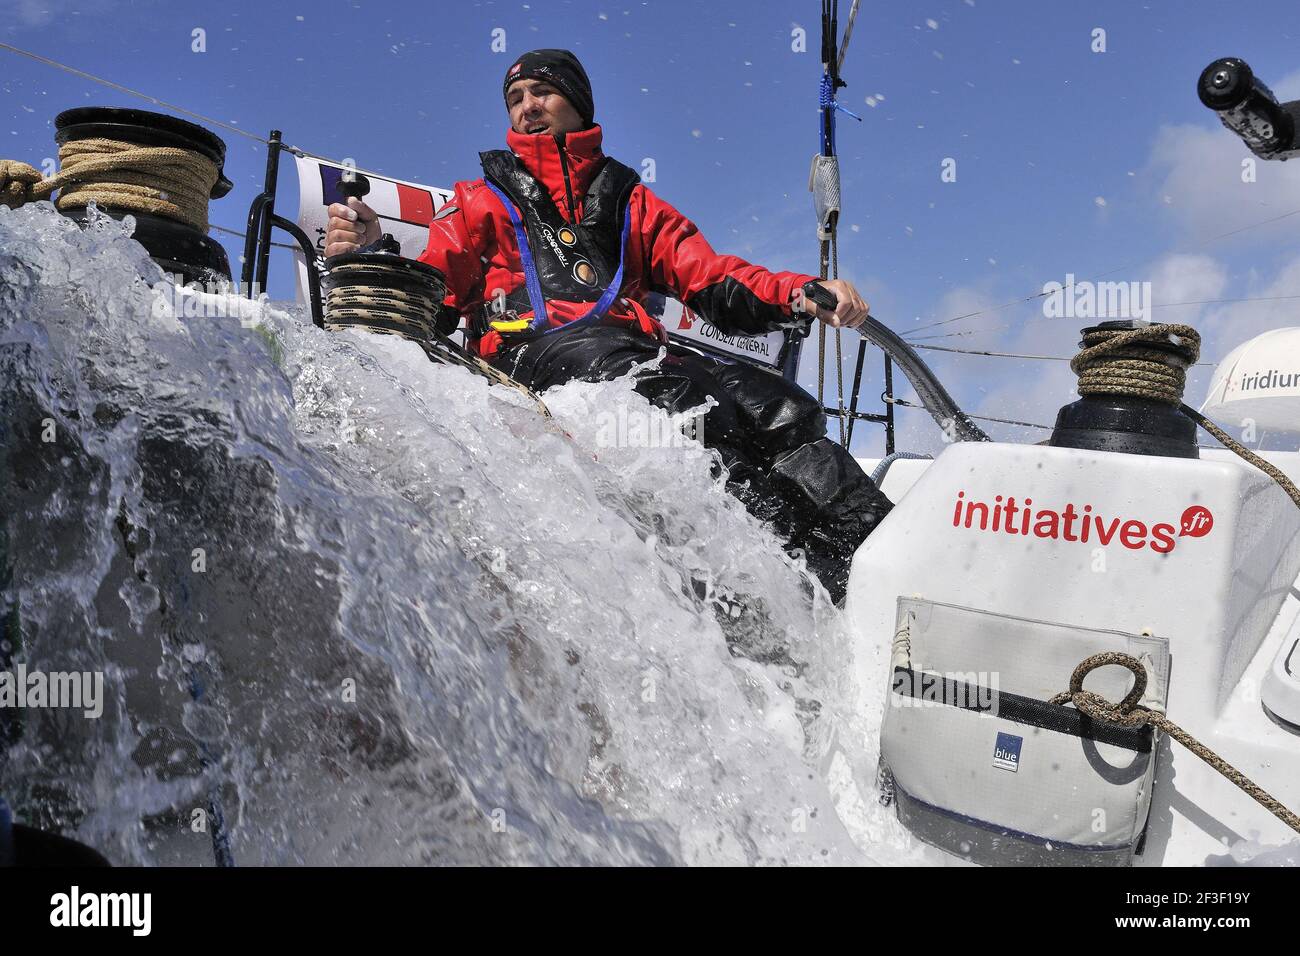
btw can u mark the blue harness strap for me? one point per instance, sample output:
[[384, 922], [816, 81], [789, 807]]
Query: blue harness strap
[[541, 319], [8, 856]]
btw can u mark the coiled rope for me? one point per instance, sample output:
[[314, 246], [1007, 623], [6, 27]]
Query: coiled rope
[[1151, 363], [1131, 714], [382, 297], [403, 298], [159, 180]]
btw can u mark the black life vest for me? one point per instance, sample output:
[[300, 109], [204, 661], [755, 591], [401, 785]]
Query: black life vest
[[574, 262]]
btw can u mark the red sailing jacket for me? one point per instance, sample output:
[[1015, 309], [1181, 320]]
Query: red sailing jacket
[[472, 242]]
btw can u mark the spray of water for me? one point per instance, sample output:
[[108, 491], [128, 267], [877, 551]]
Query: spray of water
[[383, 612]]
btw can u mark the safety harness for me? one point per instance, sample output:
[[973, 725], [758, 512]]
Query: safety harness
[[561, 260]]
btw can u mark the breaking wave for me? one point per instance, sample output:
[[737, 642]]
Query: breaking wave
[[384, 612]]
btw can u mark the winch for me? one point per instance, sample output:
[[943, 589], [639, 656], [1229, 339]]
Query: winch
[[159, 169]]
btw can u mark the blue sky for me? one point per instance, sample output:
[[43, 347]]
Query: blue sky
[[1067, 160]]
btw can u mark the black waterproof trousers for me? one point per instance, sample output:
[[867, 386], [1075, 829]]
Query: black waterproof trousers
[[769, 433]]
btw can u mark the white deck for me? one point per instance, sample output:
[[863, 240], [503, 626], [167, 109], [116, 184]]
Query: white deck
[[1227, 602]]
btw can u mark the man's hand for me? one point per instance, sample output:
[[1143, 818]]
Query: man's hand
[[851, 311], [350, 227]]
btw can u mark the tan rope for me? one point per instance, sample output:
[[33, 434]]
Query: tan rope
[[825, 252], [158, 180], [1129, 713], [821, 364], [1125, 362], [19, 183], [1266, 467]]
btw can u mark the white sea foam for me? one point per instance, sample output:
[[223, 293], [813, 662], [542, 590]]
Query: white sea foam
[[426, 626]]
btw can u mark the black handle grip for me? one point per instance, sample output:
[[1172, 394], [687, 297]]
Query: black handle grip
[[353, 184], [820, 295]]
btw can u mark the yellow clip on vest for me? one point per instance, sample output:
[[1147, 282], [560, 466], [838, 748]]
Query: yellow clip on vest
[[509, 325]]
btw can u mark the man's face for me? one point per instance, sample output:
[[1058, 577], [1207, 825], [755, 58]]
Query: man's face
[[537, 107]]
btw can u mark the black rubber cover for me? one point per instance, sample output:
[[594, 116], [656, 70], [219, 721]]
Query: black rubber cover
[[1131, 426], [178, 248]]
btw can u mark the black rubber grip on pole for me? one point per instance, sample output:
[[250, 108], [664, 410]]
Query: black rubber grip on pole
[[353, 184], [820, 295]]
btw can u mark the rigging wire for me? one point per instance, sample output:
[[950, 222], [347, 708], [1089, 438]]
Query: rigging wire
[[123, 89], [1159, 305], [1015, 355], [848, 33], [828, 218], [236, 232], [903, 403], [940, 348], [287, 147], [1039, 295]]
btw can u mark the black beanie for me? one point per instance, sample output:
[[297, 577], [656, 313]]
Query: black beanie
[[560, 68]]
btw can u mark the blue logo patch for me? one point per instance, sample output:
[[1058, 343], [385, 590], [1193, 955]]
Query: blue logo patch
[[1006, 752]]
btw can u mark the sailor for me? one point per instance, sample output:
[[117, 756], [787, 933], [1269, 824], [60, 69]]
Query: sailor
[[550, 256]]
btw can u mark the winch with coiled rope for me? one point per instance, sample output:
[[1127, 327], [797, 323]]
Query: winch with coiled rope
[[379, 291], [1131, 379], [385, 293], [382, 293], [159, 169]]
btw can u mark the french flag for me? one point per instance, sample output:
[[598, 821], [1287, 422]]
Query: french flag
[[389, 200]]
